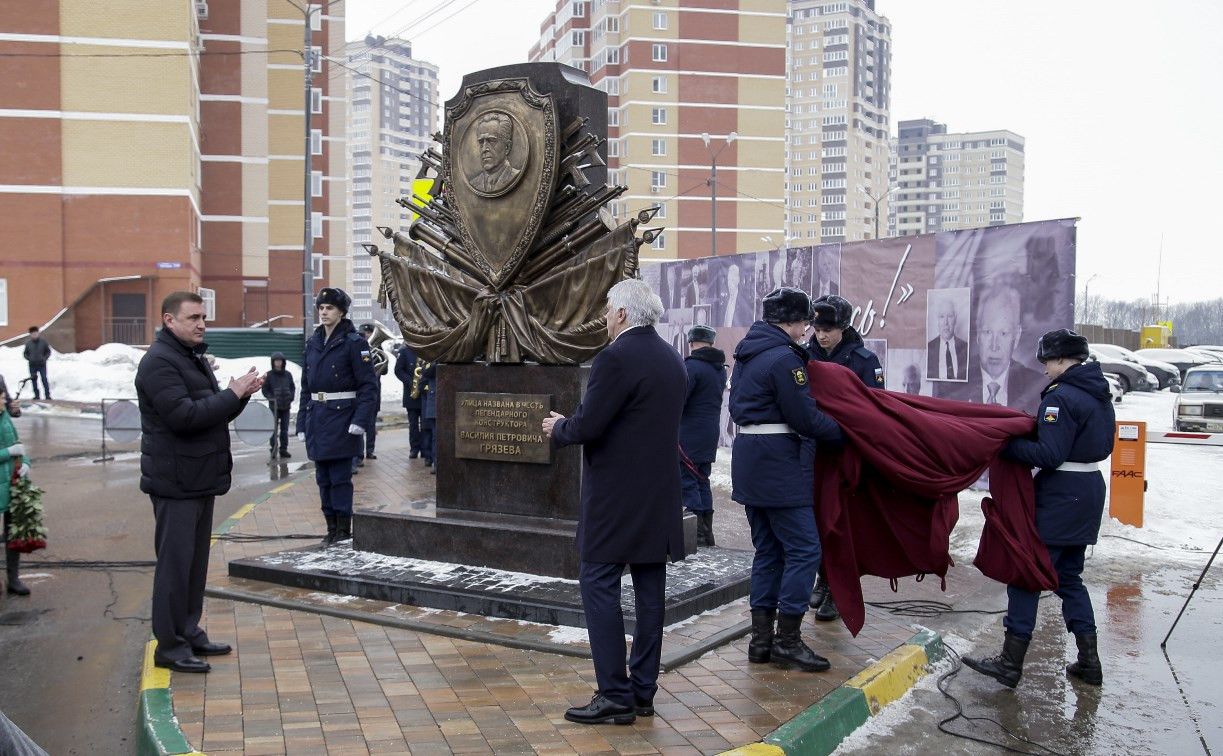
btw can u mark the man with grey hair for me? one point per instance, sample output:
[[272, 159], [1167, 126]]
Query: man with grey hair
[[495, 139], [628, 425]]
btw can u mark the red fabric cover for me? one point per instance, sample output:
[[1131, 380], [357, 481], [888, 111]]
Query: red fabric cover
[[886, 503]]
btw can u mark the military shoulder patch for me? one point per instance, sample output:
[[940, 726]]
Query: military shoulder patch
[[1051, 414], [364, 355], [800, 376], [879, 375]]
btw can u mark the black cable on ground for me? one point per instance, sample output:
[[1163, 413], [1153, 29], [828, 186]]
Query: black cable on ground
[[925, 608], [943, 684], [249, 538]]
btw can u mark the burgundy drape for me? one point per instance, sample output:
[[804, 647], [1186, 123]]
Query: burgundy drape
[[886, 502]]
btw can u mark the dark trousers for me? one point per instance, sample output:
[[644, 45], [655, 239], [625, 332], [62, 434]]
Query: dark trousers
[[334, 478], [181, 539], [1021, 607], [427, 427], [281, 427], [370, 436], [694, 487], [414, 431], [600, 583], [787, 557], [35, 374]]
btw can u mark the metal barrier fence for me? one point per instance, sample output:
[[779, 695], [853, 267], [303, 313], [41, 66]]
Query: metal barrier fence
[[121, 422]]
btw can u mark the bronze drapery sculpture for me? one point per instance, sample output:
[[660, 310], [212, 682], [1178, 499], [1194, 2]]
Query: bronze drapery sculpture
[[510, 258]]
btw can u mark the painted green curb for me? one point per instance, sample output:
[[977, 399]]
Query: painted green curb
[[820, 728]]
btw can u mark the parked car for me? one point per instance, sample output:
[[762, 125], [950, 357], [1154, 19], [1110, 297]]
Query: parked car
[[1167, 373], [1179, 357], [1206, 353], [1133, 377], [1114, 387], [1199, 407]]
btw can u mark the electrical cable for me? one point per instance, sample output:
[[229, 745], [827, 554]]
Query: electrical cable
[[943, 686], [925, 608]]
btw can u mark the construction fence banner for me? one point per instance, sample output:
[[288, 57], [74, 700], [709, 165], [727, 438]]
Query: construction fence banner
[[956, 314]]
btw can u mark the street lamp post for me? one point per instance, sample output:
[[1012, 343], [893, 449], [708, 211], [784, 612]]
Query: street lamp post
[[876, 200], [1093, 277], [712, 181]]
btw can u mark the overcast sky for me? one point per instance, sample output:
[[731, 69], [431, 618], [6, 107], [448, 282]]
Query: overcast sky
[[1118, 101]]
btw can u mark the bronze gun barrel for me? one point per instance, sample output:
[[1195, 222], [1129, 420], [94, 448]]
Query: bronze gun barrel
[[452, 251]]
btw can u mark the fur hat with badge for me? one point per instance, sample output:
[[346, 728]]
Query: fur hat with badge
[[1062, 343], [333, 296], [787, 305], [701, 333], [832, 311]]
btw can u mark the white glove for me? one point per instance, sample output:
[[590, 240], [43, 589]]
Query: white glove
[[24, 470], [16, 450], [356, 430], [301, 437]]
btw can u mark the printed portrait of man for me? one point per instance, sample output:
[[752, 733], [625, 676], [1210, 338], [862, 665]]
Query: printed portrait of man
[[494, 140], [947, 353], [828, 271]]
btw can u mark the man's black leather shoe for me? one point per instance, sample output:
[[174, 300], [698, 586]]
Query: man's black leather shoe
[[371, 455], [643, 707], [190, 664], [211, 649], [600, 711]]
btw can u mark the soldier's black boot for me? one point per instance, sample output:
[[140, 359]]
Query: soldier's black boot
[[343, 529], [1007, 667], [13, 562], [819, 593], [331, 526], [1087, 668], [828, 610], [762, 635], [707, 518], [789, 649]]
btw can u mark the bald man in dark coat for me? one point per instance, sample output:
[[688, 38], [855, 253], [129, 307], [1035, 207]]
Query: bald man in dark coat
[[628, 425]]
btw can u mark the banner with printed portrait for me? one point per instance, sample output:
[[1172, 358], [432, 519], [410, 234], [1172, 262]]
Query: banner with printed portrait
[[956, 314]]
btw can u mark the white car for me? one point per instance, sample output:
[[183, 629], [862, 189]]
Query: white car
[[1165, 372], [1114, 387], [1199, 406]]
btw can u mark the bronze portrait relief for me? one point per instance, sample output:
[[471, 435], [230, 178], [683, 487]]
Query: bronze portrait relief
[[492, 156]]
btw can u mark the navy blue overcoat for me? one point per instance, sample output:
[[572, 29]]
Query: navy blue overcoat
[[340, 364]]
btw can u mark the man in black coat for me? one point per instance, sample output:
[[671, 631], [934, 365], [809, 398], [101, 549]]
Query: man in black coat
[[37, 351], [280, 390], [628, 424], [184, 465], [698, 428], [406, 366]]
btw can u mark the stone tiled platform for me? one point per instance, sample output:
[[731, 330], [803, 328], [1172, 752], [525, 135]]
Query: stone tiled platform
[[315, 672]]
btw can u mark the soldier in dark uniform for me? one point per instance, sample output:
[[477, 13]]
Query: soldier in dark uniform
[[428, 424], [698, 428], [772, 404], [833, 339], [1074, 432], [406, 365], [371, 433], [339, 399]]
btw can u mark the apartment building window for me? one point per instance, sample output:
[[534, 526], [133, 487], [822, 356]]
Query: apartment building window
[[316, 141], [660, 242], [316, 225], [658, 147], [832, 184], [3, 301], [613, 116], [659, 116], [997, 216], [316, 59], [997, 192], [316, 100], [613, 148], [662, 212], [660, 20], [997, 142], [613, 55], [659, 53], [579, 9], [577, 38], [836, 55], [659, 84], [830, 73], [316, 183], [834, 120], [613, 23], [658, 180], [997, 179]]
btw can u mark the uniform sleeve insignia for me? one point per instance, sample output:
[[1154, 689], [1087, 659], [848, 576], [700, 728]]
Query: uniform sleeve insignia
[[800, 376], [879, 375], [1051, 414], [365, 355]]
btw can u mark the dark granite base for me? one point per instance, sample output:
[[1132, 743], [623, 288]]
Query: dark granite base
[[706, 580]]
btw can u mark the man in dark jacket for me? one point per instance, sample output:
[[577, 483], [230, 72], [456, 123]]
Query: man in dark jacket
[[184, 465], [1074, 432], [428, 414], [406, 367], [628, 425], [379, 363], [339, 399], [698, 428], [279, 389], [834, 340], [37, 351], [770, 401]]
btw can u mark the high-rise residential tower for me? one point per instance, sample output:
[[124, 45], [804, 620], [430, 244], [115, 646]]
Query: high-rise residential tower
[[837, 122], [696, 90], [393, 114], [951, 181]]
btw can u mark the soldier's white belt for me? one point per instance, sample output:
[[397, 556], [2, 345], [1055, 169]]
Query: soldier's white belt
[[766, 428], [1078, 467], [322, 396]]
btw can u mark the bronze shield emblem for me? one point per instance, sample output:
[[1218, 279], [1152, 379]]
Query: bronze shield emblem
[[499, 171]]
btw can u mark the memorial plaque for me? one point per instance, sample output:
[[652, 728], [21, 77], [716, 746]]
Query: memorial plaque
[[502, 427]]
